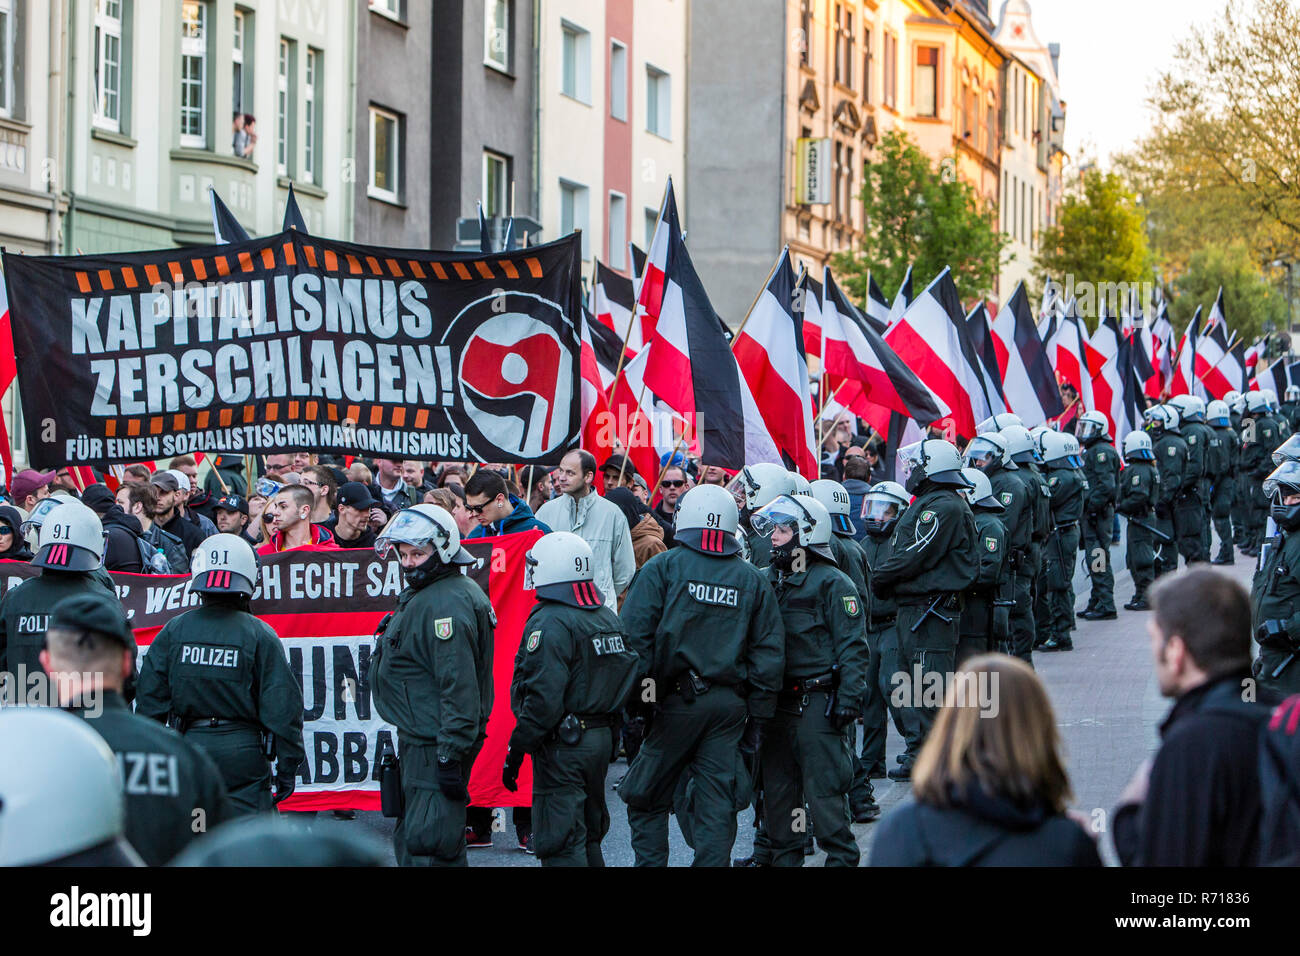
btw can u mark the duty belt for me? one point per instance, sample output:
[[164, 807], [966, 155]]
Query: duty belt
[[589, 721], [807, 685], [1065, 525], [189, 723]]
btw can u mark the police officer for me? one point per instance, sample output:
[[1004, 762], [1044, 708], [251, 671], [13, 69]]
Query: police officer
[[1275, 591], [1259, 438], [1171, 461], [1291, 406], [1101, 467], [754, 487], [1275, 410], [70, 559], [219, 675], [707, 633], [804, 754], [1139, 490], [1069, 489], [173, 790], [1236, 403], [1193, 518], [985, 624], [881, 507], [1223, 493], [1024, 452], [573, 672], [933, 560], [431, 676], [988, 452]]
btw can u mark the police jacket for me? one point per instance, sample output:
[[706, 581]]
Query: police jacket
[[1229, 453], [1101, 467], [1017, 516], [1139, 489], [1202, 806], [715, 615], [991, 583], [122, 542], [174, 792], [570, 661], [219, 661], [1040, 499], [852, 560], [191, 534], [1259, 439], [933, 549], [822, 614], [25, 611], [431, 673], [1171, 461], [1198, 436], [1068, 489], [882, 608], [1275, 591]]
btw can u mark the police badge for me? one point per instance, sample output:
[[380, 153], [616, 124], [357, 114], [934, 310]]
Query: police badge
[[534, 641], [990, 544], [1005, 498], [850, 606], [442, 628]]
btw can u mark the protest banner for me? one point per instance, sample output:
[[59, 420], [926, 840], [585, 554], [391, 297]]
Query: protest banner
[[294, 341], [325, 606]]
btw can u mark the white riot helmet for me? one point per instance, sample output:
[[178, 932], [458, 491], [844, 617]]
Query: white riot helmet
[[1218, 414], [882, 505], [1292, 393], [60, 789], [1190, 408], [422, 525], [72, 539], [1163, 418], [1060, 449], [223, 564], [987, 451], [31, 526], [1138, 445], [835, 500], [1270, 396], [1020, 444], [1256, 403], [1235, 400], [981, 494], [1092, 426], [757, 485], [802, 486], [1289, 450], [558, 568], [998, 422], [804, 516], [706, 521], [933, 459]]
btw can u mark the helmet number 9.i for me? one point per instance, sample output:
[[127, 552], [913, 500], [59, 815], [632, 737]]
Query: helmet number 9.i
[[713, 520], [582, 565]]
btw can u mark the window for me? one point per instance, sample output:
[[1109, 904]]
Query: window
[[617, 231], [8, 49], [658, 103], [889, 84], [385, 155], [311, 116], [967, 113], [868, 65], [617, 80], [991, 126], [389, 8], [496, 183], [194, 74], [573, 213], [496, 35], [108, 61], [805, 33], [237, 69], [926, 86], [844, 54], [575, 72], [651, 220], [283, 107], [837, 200]]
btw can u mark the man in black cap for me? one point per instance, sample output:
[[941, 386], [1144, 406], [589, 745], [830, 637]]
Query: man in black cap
[[618, 471], [350, 523], [230, 512], [168, 511], [174, 792]]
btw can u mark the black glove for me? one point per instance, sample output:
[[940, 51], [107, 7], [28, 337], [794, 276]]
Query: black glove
[[843, 716], [1272, 631], [510, 772], [752, 741], [450, 780], [286, 779]]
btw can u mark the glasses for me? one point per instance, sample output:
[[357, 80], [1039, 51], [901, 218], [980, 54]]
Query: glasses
[[478, 509], [671, 484]]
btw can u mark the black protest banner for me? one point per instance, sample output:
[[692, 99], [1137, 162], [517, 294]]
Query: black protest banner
[[298, 342]]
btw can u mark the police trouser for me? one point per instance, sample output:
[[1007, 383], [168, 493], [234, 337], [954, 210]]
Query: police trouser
[[804, 758], [1271, 657], [976, 634], [1022, 615], [1257, 512], [1166, 552], [1205, 491], [879, 707], [570, 817], [1240, 512], [236, 749], [1141, 557], [1097, 531], [704, 738], [1190, 520], [1061, 596], [1221, 501], [431, 831], [927, 654]]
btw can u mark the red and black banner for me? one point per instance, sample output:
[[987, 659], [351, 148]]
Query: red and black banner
[[293, 341], [325, 606]]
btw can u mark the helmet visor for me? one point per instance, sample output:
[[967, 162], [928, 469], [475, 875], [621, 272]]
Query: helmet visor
[[909, 458], [1285, 480], [880, 508], [981, 449], [1088, 430], [1289, 450], [40, 513], [411, 527], [783, 511], [736, 488]]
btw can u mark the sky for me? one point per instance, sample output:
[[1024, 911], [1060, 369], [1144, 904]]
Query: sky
[[1111, 52]]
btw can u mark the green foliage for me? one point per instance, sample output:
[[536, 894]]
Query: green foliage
[[922, 216], [1249, 301]]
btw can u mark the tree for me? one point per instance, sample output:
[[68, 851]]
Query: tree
[[1099, 237], [1249, 302], [921, 216]]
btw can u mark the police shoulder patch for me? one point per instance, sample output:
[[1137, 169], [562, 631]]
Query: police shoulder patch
[[1053, 480], [927, 515], [443, 628], [534, 640], [1173, 450], [990, 544], [851, 607], [1191, 439], [1137, 479], [1101, 457], [1005, 498]]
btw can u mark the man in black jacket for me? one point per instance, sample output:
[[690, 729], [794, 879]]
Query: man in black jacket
[[168, 511], [1198, 802], [121, 531]]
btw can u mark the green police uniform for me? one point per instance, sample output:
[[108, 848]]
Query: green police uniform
[[759, 545], [882, 644], [1223, 495], [431, 676], [1040, 499], [1069, 488], [1241, 493], [174, 792], [707, 633], [984, 625], [1259, 439], [1275, 598], [222, 674], [1193, 504], [1290, 411], [1101, 467], [1018, 519], [571, 661], [1139, 490], [804, 753], [1171, 461], [852, 560], [934, 559], [25, 612]]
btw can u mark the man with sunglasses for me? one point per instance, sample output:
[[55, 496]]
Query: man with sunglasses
[[496, 510], [671, 488]]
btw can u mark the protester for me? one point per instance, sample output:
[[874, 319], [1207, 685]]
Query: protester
[[452, 499], [226, 477], [276, 465], [857, 482], [350, 524], [124, 550], [28, 488], [536, 484], [12, 545], [136, 473], [414, 476], [64, 482], [302, 459], [357, 471], [1279, 771], [256, 527], [641, 490], [647, 535], [496, 510], [319, 480], [139, 501], [990, 785], [393, 491], [617, 472], [167, 511], [595, 520], [1197, 803], [232, 516], [672, 486], [291, 524]]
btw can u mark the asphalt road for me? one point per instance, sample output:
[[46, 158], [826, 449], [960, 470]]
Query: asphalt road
[[1107, 704]]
